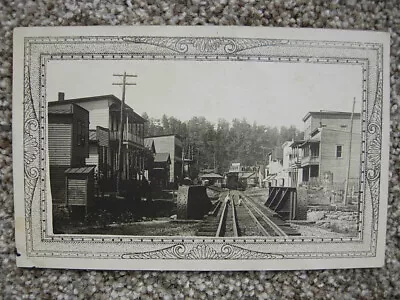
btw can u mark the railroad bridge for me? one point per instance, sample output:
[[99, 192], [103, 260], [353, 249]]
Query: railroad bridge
[[286, 202], [236, 214]]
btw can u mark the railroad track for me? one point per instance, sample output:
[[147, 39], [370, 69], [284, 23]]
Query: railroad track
[[264, 223], [236, 214], [221, 221]]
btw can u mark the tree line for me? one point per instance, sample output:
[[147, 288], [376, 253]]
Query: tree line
[[217, 145]]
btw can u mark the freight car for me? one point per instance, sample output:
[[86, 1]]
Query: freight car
[[233, 182]]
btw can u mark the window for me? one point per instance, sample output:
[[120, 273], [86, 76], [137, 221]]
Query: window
[[339, 151], [178, 151], [314, 149], [80, 136]]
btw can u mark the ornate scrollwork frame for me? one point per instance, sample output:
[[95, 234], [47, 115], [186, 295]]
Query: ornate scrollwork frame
[[194, 48]]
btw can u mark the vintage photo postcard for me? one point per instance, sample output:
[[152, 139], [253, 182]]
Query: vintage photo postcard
[[200, 148]]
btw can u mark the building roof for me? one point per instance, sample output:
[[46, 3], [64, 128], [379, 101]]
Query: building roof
[[277, 153], [116, 107], [148, 142], [269, 177], [296, 143], [81, 170], [321, 113], [112, 97], [212, 176], [92, 135], [247, 174], [58, 107], [60, 111], [314, 139], [93, 98], [207, 171], [162, 157], [164, 135]]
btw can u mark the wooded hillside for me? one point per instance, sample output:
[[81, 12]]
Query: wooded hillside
[[217, 145]]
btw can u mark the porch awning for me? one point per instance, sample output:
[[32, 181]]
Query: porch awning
[[269, 178], [314, 139], [211, 176], [162, 158], [81, 170]]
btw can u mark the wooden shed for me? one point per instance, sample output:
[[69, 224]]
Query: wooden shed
[[79, 187]]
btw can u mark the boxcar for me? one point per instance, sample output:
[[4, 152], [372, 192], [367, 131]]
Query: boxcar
[[232, 181]]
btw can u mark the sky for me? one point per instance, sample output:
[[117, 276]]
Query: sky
[[271, 94]]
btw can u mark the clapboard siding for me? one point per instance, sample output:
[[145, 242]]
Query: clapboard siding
[[60, 136], [99, 117], [98, 113], [80, 133], [103, 136], [76, 192], [338, 166], [57, 183], [93, 158]]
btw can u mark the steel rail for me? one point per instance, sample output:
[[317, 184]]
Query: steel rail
[[274, 227], [234, 220], [214, 212], [266, 219], [222, 220], [259, 225]]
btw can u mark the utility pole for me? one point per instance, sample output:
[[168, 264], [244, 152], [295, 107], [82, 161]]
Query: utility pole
[[183, 161], [121, 126], [190, 165], [215, 155], [345, 202]]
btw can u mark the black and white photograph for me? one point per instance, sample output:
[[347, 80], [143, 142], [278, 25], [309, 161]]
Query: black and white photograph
[[241, 147], [192, 148]]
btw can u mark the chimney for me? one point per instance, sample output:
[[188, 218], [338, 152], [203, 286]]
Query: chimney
[[61, 96]]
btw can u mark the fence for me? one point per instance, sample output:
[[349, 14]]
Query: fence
[[325, 192]]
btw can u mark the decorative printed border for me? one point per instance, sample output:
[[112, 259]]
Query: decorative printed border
[[203, 49], [205, 44], [202, 251]]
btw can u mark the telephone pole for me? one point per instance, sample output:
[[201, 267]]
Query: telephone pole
[[345, 202], [183, 161], [121, 126]]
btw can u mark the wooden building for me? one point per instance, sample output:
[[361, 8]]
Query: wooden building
[[295, 162], [79, 187], [68, 137], [99, 148], [160, 173], [249, 179], [326, 147], [150, 153], [211, 179], [105, 113], [172, 144]]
